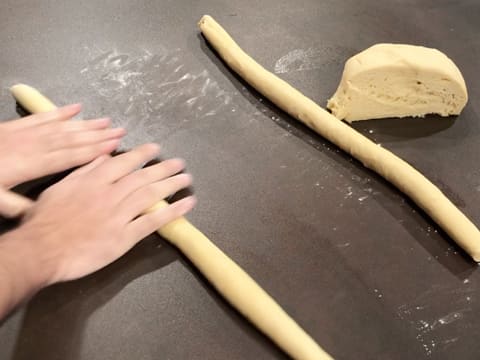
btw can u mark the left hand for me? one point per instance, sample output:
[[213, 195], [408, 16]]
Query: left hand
[[45, 143]]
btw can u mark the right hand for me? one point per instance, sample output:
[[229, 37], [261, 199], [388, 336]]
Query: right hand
[[96, 214]]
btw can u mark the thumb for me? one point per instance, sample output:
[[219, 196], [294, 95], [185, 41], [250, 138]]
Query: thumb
[[13, 205]]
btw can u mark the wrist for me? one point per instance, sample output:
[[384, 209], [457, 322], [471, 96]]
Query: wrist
[[23, 262]]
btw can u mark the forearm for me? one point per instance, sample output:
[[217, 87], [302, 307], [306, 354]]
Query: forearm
[[21, 276]]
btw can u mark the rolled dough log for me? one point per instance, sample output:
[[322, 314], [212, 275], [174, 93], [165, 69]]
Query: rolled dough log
[[397, 171], [30, 99], [224, 274]]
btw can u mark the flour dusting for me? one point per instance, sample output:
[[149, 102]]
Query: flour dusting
[[153, 95], [299, 60], [437, 315]]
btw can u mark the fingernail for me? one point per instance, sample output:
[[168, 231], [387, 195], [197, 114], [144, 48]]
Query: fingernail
[[155, 148], [190, 201], [180, 163], [119, 131], [188, 178], [76, 107]]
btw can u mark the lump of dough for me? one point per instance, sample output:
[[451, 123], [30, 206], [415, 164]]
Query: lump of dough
[[396, 80]]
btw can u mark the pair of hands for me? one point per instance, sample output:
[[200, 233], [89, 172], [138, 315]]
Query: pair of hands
[[95, 214]]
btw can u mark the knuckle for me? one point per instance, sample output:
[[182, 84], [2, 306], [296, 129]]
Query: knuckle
[[185, 179], [81, 155], [180, 181], [174, 165], [150, 192], [154, 221], [167, 166], [173, 211]]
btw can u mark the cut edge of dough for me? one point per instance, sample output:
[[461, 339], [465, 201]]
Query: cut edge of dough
[[371, 60]]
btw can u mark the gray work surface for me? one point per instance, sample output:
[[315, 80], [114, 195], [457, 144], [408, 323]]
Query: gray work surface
[[360, 267]]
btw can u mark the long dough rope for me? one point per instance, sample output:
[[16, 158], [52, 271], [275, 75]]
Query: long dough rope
[[227, 277], [397, 171]]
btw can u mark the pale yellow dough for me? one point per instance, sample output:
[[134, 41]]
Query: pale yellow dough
[[398, 80], [410, 181], [228, 278], [31, 99]]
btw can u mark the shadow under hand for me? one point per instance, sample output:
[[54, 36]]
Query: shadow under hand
[[21, 111], [56, 317], [415, 222], [31, 189]]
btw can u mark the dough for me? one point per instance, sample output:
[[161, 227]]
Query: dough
[[228, 278], [397, 80], [30, 99], [406, 178]]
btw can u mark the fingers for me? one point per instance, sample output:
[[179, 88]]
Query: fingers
[[147, 196], [83, 138], [89, 167], [60, 114], [62, 134], [13, 205], [81, 125], [148, 223], [148, 175], [96, 136], [124, 164], [62, 159]]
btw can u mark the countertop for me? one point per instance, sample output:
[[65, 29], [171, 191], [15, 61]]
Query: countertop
[[358, 266]]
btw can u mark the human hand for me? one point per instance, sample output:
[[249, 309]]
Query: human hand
[[42, 144], [95, 215]]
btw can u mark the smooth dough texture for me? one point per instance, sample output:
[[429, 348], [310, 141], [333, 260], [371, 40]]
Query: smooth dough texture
[[31, 99], [397, 171], [224, 274], [398, 80]]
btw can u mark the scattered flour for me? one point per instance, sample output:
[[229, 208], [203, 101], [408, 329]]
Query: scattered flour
[[437, 331], [145, 91], [298, 60]]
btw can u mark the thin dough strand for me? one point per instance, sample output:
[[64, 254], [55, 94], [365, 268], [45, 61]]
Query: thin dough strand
[[225, 275], [397, 171]]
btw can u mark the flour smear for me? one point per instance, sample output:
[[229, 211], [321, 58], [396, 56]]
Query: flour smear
[[152, 94]]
